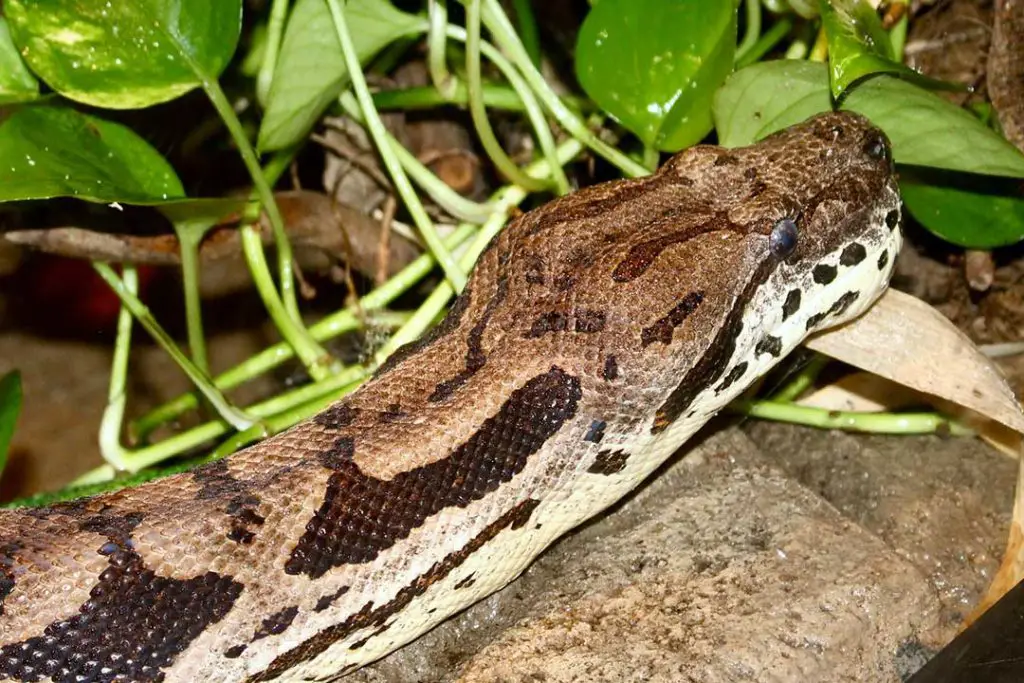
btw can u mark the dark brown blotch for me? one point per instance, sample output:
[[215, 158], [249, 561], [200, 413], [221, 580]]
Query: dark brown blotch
[[276, 623], [361, 515], [235, 651], [130, 610], [534, 270], [370, 617], [338, 416], [548, 323], [589, 321], [466, 582], [661, 330], [609, 462], [596, 431], [325, 601], [610, 370]]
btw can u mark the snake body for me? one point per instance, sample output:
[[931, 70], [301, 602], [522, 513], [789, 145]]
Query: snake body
[[596, 335]]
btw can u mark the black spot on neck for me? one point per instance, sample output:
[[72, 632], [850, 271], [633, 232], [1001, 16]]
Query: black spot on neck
[[853, 254], [824, 274], [883, 259], [735, 374], [791, 304], [892, 219], [769, 345]]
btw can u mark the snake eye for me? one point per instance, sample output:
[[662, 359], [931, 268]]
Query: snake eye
[[782, 241], [876, 147]]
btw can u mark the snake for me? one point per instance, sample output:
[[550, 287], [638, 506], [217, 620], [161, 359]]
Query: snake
[[596, 334]]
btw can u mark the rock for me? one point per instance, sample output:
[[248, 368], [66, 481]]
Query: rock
[[722, 568]]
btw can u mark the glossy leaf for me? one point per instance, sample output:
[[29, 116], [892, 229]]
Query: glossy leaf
[[17, 84], [857, 43], [10, 407], [53, 151], [311, 73], [125, 54], [973, 211], [655, 65], [925, 129], [767, 97]]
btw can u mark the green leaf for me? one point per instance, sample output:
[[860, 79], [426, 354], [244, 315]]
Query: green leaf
[[655, 65], [10, 406], [311, 73], [766, 97], [53, 151], [17, 84], [125, 54], [978, 212], [925, 129]]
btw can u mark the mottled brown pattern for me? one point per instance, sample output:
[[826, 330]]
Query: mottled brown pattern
[[370, 617], [387, 511], [134, 625], [661, 329], [461, 435]]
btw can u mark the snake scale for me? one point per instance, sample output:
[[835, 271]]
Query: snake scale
[[596, 335]]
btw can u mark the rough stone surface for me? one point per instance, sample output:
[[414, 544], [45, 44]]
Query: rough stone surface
[[721, 569], [942, 504]]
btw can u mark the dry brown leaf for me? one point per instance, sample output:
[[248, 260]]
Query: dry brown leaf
[[905, 340]]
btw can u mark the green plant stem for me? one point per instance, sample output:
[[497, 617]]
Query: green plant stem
[[478, 112], [275, 33], [528, 32], [898, 36], [117, 393], [327, 328], [437, 45], [273, 408], [505, 37], [316, 360], [495, 96], [534, 113], [378, 133], [878, 423], [189, 238], [450, 200], [803, 380], [752, 30], [232, 415], [252, 164], [779, 30], [651, 158]]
